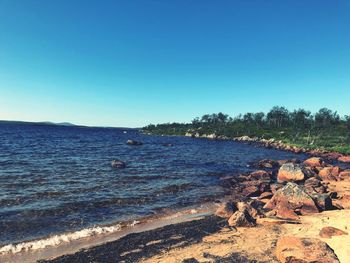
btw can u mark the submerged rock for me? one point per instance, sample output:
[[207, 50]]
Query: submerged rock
[[304, 250], [118, 164], [132, 142], [291, 172]]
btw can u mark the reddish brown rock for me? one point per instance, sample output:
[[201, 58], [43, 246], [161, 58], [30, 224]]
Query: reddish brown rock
[[253, 212], [314, 161], [291, 172], [344, 159], [265, 195], [329, 173], [261, 185], [328, 232], [275, 187], [226, 210], [343, 202], [345, 175], [282, 162], [242, 219], [260, 175], [285, 211], [322, 201], [314, 185], [332, 155], [251, 191], [304, 250], [267, 163], [296, 197]]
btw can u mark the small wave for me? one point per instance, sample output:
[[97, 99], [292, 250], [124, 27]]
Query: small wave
[[58, 239]]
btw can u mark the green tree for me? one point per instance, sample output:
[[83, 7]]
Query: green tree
[[325, 118], [278, 117]]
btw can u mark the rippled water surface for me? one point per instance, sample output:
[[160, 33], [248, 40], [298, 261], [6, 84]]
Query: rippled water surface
[[55, 179]]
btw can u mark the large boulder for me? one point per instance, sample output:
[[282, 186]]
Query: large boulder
[[314, 162], [290, 172], [133, 142], [118, 164], [329, 231], [304, 250], [298, 200]]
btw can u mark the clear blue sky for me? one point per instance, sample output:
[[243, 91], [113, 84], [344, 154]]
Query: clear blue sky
[[130, 63]]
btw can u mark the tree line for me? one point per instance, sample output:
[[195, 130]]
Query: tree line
[[324, 127]]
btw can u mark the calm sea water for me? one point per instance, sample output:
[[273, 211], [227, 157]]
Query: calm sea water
[[56, 179]]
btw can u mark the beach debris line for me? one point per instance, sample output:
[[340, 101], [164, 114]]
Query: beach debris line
[[118, 164]]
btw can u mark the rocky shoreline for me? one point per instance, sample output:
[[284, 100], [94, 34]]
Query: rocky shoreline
[[284, 211], [276, 144]]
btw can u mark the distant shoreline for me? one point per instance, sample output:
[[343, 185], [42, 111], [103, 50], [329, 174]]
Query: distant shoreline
[[60, 124]]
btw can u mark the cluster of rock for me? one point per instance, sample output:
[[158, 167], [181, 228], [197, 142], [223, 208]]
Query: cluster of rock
[[212, 136], [285, 191], [279, 145]]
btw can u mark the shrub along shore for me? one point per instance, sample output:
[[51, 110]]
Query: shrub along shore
[[323, 131]]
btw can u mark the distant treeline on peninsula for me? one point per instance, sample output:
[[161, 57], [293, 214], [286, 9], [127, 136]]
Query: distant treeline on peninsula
[[324, 129]]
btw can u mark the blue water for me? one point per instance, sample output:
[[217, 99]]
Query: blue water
[[56, 179]]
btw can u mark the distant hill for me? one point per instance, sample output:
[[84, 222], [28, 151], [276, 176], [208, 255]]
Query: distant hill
[[40, 123], [67, 124], [58, 123]]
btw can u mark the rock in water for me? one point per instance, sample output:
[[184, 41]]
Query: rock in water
[[296, 197], [118, 164], [328, 232], [304, 250], [291, 172], [132, 142]]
